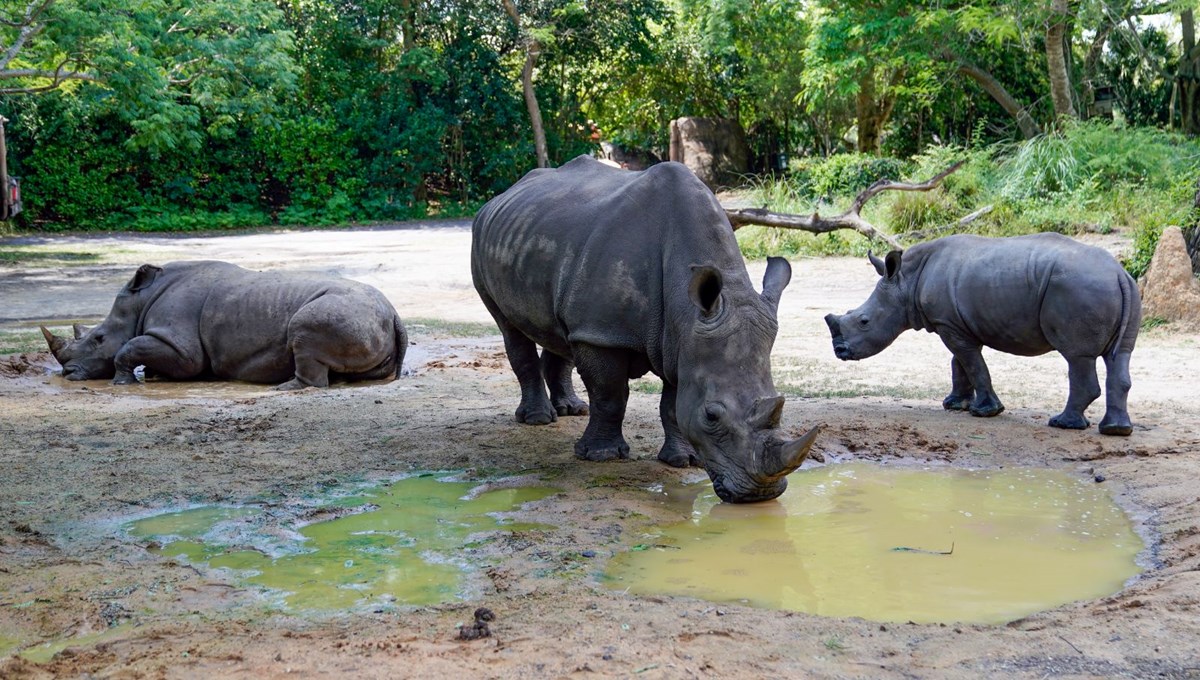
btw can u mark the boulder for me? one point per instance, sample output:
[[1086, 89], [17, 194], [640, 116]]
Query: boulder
[[1170, 290], [714, 148]]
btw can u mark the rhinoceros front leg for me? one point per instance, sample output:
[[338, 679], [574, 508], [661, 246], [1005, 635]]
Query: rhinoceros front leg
[[1085, 388], [557, 372], [605, 374], [961, 393], [968, 354], [676, 450], [1116, 394], [158, 357]]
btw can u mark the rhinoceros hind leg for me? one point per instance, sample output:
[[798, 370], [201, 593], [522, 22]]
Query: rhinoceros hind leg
[[676, 451], [557, 373], [1085, 388], [605, 374], [961, 393], [1116, 389], [535, 407]]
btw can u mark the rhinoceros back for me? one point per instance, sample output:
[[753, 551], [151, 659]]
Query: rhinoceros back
[[591, 253]]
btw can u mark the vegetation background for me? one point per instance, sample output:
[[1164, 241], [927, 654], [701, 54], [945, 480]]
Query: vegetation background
[[177, 115]]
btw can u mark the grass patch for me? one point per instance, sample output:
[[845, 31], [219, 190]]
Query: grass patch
[[456, 329], [647, 385], [1152, 322], [45, 257], [19, 342]]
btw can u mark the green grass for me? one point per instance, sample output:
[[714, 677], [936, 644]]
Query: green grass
[[1151, 322], [647, 385], [19, 342], [1093, 177], [27, 255], [456, 329]]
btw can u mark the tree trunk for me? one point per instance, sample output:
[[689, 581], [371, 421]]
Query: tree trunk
[[1029, 127], [532, 50], [870, 124], [1187, 79], [1060, 79]]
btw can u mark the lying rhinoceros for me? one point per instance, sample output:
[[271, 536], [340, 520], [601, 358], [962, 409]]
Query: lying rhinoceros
[[214, 319], [1022, 295], [622, 273]]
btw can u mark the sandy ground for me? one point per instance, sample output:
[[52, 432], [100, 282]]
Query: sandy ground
[[76, 460]]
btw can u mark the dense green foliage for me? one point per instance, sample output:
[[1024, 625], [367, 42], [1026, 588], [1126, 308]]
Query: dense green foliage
[[168, 115]]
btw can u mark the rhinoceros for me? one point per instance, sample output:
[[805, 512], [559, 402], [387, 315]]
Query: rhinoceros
[[207, 319], [1023, 295], [622, 273]]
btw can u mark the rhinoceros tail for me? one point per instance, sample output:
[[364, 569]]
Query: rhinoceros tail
[[401, 342], [1131, 317]]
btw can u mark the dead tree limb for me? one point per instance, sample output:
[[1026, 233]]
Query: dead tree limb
[[851, 219], [958, 224]]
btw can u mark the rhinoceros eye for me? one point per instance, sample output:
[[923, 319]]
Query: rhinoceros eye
[[863, 321], [713, 413]]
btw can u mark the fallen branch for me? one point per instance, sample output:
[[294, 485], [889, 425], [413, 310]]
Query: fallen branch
[[851, 219], [962, 222]]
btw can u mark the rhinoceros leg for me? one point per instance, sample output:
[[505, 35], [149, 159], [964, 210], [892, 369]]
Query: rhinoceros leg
[[158, 357], [1116, 394], [557, 372], [676, 450], [961, 392], [1085, 388], [605, 374], [985, 404], [535, 407]]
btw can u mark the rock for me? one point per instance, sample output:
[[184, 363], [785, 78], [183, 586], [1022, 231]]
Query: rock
[[1169, 289], [713, 148]]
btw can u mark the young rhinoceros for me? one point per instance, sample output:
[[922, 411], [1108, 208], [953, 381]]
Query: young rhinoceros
[[187, 320], [1022, 295], [622, 273]]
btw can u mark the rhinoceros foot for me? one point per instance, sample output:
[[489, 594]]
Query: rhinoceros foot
[[541, 414], [957, 402], [679, 454], [291, 385], [1069, 421], [570, 406], [985, 406], [125, 379], [601, 449], [1115, 427]]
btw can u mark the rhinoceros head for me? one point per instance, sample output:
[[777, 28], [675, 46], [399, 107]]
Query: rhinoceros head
[[727, 406], [89, 356], [868, 330]]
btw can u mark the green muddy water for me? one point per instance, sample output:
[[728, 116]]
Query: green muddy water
[[406, 547], [887, 544]]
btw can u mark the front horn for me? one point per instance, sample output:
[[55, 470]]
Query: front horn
[[783, 458], [55, 342]]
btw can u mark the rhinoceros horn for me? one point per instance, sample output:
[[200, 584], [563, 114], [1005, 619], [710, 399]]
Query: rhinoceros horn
[[80, 330], [766, 413], [784, 457], [56, 343]]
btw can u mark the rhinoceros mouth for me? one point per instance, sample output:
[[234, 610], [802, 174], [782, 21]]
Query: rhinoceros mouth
[[842, 351], [757, 496]]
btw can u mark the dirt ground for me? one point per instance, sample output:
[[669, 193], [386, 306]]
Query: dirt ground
[[77, 459]]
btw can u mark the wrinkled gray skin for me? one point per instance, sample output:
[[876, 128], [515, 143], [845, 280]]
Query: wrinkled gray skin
[[1022, 295], [207, 319], [622, 273]]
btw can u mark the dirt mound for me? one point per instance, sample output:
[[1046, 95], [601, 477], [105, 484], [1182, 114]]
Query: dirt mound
[[30, 363], [1169, 290]]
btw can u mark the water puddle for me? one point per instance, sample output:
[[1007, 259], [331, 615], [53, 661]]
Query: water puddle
[[403, 543], [929, 545]]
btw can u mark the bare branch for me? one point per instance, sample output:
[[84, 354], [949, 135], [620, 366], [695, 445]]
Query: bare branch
[[851, 219], [962, 222]]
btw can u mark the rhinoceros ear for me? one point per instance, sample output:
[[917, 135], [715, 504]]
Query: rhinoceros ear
[[80, 330], [705, 289], [892, 263], [144, 277], [880, 267], [779, 274]]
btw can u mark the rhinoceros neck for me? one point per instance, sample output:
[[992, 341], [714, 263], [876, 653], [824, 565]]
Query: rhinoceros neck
[[912, 269]]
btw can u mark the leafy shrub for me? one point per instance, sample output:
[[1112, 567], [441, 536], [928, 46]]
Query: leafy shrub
[[848, 174]]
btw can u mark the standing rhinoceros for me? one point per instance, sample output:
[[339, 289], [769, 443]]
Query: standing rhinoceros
[[622, 273], [1022, 295], [214, 319]]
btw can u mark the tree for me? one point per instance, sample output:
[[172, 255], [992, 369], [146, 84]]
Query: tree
[[166, 61], [1057, 45], [533, 49]]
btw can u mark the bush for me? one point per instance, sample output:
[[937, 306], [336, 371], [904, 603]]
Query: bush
[[848, 174]]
